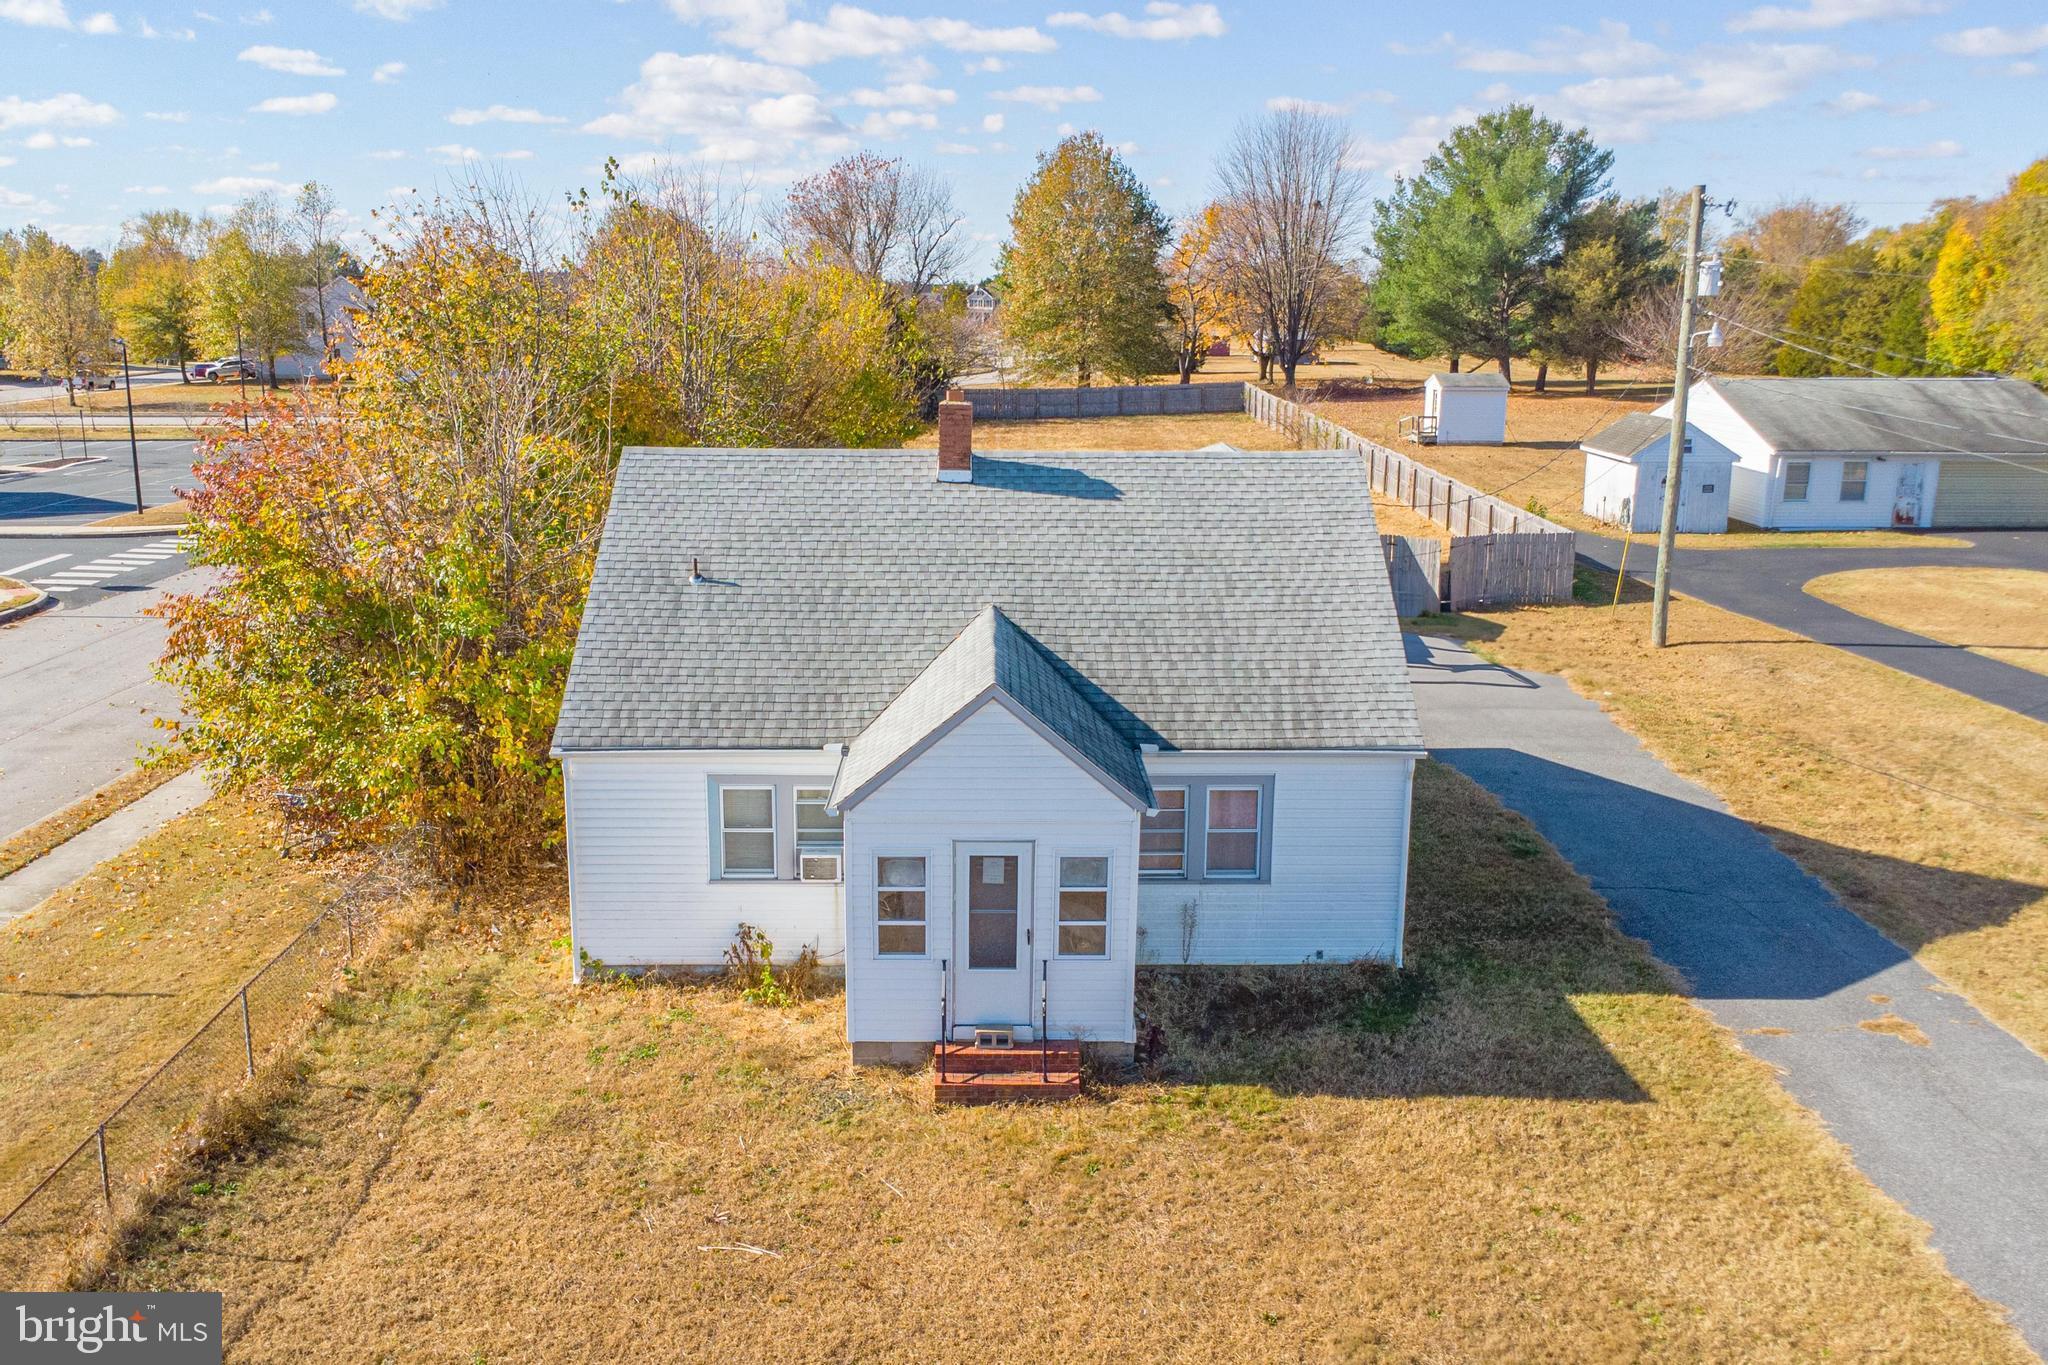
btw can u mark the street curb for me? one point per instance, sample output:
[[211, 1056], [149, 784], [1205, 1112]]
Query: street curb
[[27, 609], [88, 532]]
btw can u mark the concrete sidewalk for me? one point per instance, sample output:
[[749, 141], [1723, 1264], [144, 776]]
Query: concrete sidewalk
[[1955, 1130], [24, 890]]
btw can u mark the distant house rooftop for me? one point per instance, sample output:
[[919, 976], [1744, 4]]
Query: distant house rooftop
[[1967, 416], [1488, 379]]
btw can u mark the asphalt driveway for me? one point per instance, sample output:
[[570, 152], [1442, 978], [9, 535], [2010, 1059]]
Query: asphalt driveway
[[1955, 1130], [1769, 585]]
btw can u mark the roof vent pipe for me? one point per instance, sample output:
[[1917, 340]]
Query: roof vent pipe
[[697, 579]]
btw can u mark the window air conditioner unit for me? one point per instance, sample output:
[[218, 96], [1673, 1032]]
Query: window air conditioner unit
[[818, 862]]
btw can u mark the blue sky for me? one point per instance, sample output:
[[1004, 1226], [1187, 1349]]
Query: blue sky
[[1887, 103]]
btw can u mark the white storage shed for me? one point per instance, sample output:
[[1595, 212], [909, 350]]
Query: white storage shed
[[1465, 409], [1625, 475]]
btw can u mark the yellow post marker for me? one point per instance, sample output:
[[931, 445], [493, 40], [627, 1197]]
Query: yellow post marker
[[1628, 538]]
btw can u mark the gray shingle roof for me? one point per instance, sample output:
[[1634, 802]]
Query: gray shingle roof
[[1629, 435], [1469, 379], [992, 656], [1894, 416], [1227, 601]]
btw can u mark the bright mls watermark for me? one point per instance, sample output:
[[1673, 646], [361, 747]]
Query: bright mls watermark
[[163, 1329]]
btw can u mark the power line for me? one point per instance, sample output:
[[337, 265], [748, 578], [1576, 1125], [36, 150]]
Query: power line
[[1900, 355]]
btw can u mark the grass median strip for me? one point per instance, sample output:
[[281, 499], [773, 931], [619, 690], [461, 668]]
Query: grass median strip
[[1999, 613], [1525, 1145]]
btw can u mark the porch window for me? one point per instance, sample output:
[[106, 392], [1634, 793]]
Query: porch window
[[1798, 473], [1233, 840], [1163, 839], [820, 836], [1084, 907], [899, 906], [1855, 480], [746, 820]]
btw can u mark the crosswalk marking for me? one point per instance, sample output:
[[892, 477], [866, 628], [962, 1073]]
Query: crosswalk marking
[[97, 571]]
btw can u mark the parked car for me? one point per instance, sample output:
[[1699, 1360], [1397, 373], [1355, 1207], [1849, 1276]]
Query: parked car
[[89, 382], [228, 371], [205, 368]]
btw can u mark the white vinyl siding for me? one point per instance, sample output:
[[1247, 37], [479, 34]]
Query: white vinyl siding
[[991, 780], [1337, 873], [642, 841]]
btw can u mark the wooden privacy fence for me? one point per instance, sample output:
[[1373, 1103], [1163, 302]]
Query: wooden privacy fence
[[1412, 564], [1499, 553], [1108, 400]]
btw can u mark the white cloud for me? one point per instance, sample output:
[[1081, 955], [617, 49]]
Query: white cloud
[[147, 189], [6, 161], [386, 154], [297, 105], [956, 149], [239, 185], [148, 30], [398, 10], [888, 123], [1943, 149], [1710, 84], [1281, 103], [58, 111], [55, 14], [292, 61], [1167, 22], [1613, 49], [1863, 102], [1995, 42], [736, 110], [257, 18], [19, 199], [454, 153], [168, 116], [905, 95], [985, 65], [764, 28], [501, 113], [1049, 97], [992, 123], [388, 72], [1815, 15]]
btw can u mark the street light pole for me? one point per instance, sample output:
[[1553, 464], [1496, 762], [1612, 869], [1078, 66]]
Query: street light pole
[[134, 454], [1674, 464], [242, 377]]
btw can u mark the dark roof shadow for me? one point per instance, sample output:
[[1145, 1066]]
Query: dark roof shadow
[[1025, 476]]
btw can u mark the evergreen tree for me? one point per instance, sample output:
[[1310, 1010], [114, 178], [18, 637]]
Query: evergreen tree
[[1085, 296], [1613, 256]]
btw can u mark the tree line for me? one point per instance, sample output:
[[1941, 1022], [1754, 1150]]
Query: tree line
[[255, 283]]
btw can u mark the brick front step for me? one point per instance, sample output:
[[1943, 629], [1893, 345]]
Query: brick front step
[[994, 1087], [1060, 1055]]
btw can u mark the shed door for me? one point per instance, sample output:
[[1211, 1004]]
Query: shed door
[[1988, 493]]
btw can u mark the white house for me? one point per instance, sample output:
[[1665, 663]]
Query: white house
[[344, 303], [1856, 453], [981, 304], [1464, 409], [988, 731], [1626, 469]]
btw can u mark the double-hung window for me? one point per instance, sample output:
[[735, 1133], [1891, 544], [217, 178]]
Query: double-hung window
[[1163, 838], [820, 836], [899, 905], [1084, 907], [1233, 832], [1798, 474], [746, 818], [1855, 480]]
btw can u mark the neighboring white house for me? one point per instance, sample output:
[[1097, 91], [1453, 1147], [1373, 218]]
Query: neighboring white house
[[1626, 466], [345, 301], [1461, 409], [981, 304], [1856, 453], [988, 730]]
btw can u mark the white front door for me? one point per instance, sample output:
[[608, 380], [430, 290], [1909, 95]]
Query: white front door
[[992, 936]]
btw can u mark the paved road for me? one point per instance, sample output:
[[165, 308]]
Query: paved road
[[101, 485], [16, 391], [1769, 586], [80, 700], [1956, 1131]]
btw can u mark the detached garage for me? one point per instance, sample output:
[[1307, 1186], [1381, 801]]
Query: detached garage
[[1861, 453], [1625, 476]]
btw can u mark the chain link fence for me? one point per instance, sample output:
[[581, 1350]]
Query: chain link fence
[[263, 1020]]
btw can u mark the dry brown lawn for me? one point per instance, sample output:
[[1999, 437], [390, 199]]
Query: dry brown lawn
[[1121, 433], [172, 513], [45, 834], [109, 976], [1932, 825], [1556, 1156], [1999, 613]]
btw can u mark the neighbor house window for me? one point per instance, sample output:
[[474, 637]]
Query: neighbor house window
[[1163, 838], [746, 822], [899, 906], [1798, 473], [1233, 832], [1084, 907], [1855, 480], [820, 835]]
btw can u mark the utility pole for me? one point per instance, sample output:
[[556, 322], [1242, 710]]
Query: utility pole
[[1674, 465], [134, 456]]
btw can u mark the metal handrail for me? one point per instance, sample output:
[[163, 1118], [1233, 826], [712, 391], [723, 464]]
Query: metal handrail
[[1044, 1014], [945, 1029]]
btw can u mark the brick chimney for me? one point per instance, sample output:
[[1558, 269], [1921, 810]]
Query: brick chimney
[[956, 438]]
